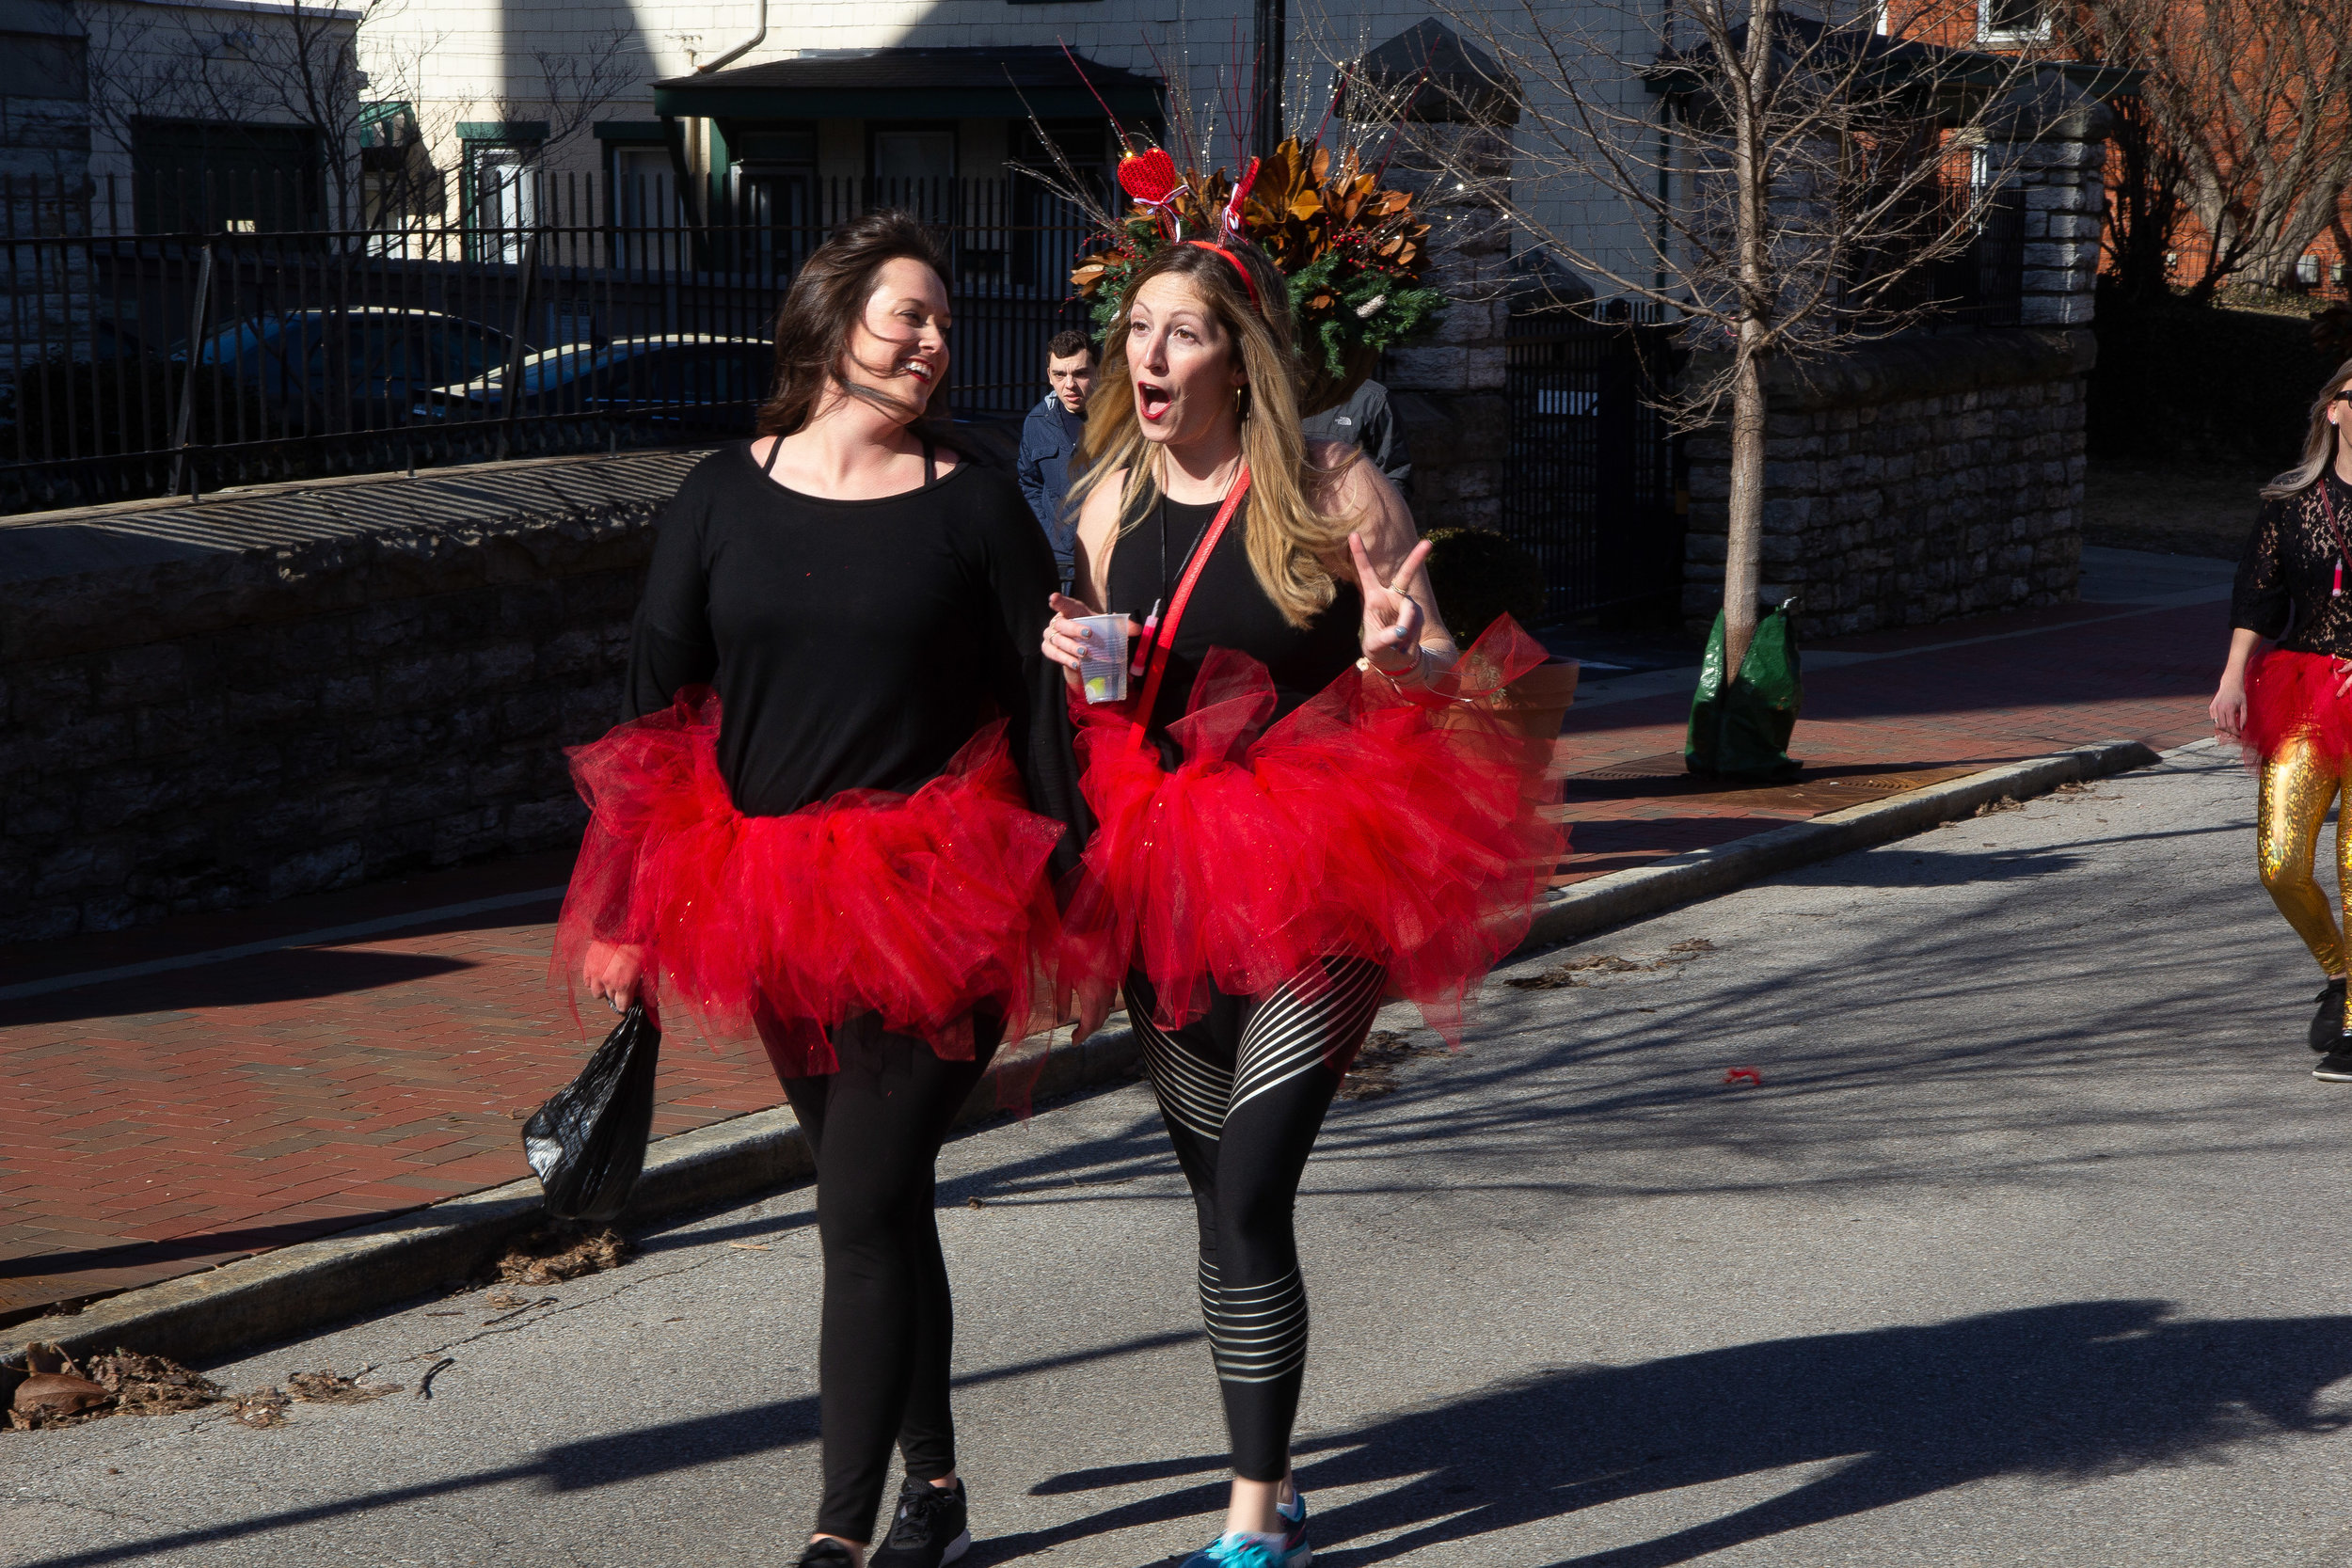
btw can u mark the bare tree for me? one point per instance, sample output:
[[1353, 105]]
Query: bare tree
[[574, 86], [1789, 184], [2248, 99]]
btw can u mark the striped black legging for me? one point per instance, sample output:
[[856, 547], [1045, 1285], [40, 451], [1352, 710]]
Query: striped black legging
[[1243, 1090]]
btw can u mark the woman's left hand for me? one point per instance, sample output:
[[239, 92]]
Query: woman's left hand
[[1392, 618], [2344, 670]]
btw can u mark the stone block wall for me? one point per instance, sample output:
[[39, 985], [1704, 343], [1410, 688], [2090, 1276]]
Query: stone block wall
[[1907, 483], [293, 691]]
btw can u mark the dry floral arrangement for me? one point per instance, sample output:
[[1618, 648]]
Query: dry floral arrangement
[[1352, 250]]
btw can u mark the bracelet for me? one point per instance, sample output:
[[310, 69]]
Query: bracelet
[[1413, 671]]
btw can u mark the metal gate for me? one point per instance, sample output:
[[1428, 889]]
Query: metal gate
[[1590, 486]]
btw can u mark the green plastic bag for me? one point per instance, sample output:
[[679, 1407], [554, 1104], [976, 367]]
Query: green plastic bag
[[1740, 730]]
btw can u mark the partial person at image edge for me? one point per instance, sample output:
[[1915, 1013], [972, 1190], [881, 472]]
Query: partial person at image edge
[[1050, 437], [2281, 699], [1364, 421]]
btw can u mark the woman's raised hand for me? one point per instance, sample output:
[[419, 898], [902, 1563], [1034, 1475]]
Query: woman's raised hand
[[1066, 640], [1392, 617]]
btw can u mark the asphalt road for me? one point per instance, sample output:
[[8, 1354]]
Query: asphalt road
[[2029, 1248]]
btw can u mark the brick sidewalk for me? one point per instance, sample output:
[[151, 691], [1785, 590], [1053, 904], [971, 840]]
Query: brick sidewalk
[[166, 1123]]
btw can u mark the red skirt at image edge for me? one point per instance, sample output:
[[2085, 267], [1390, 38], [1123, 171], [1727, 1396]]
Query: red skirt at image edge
[[2292, 696], [1412, 830], [921, 908]]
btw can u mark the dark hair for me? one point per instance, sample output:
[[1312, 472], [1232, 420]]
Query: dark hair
[[1069, 340], [828, 298]]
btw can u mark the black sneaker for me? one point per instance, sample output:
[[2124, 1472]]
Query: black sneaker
[[2327, 1023], [2335, 1067], [929, 1530], [826, 1553]]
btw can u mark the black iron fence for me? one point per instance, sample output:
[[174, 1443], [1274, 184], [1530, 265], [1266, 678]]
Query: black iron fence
[[549, 314], [1590, 488]]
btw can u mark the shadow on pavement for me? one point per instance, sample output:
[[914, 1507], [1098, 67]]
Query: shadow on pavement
[[2067, 1392], [289, 975], [616, 1459]]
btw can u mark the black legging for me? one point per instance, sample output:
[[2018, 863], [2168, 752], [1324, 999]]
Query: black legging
[[888, 1325], [1243, 1090]]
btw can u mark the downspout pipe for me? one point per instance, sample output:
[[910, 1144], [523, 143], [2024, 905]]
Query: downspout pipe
[[760, 35]]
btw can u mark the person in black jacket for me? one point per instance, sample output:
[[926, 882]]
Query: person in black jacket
[[2290, 704], [831, 820], [1050, 439]]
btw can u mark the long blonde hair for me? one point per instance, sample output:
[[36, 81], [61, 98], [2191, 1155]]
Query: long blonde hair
[[1287, 532], [2319, 441]]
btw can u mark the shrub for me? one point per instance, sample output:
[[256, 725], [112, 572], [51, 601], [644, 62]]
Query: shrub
[[2184, 381], [1479, 574]]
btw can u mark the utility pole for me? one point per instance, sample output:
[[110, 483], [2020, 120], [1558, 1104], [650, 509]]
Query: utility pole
[[1272, 52]]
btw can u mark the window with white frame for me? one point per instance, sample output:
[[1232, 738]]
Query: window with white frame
[[503, 193], [2012, 21]]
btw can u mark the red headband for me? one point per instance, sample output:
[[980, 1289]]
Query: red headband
[[1246, 281]]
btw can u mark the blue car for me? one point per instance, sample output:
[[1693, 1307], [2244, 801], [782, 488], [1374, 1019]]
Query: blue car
[[373, 362], [691, 383]]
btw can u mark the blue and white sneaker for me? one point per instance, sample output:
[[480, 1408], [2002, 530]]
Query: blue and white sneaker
[[1237, 1550]]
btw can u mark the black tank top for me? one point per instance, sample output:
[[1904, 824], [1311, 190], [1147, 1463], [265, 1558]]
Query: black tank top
[[1228, 610]]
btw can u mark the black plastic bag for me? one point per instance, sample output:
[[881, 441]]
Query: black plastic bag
[[1739, 727], [588, 1141]]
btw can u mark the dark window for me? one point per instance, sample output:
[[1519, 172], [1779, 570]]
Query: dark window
[[206, 177], [2015, 17]]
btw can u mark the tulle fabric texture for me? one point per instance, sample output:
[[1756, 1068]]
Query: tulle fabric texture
[[1406, 827], [2292, 696], [922, 907]]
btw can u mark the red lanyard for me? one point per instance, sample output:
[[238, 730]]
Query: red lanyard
[[1164, 640], [2343, 552]]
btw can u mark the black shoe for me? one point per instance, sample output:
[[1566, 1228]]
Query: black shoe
[[929, 1530], [826, 1553], [2327, 1023], [2335, 1067]]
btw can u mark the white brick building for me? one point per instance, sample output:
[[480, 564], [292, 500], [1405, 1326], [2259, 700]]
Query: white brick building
[[929, 97]]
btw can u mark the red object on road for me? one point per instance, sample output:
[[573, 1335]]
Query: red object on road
[[1744, 1075]]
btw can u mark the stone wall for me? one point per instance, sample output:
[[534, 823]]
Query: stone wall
[[290, 691], [1452, 152], [1910, 481]]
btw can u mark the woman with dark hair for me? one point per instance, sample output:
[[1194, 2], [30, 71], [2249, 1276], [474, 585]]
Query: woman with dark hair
[[1304, 809], [812, 824], [2290, 706]]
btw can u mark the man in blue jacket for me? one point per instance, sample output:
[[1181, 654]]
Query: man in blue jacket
[[1050, 439]]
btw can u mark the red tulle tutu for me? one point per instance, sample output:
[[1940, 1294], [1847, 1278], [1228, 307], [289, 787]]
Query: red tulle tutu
[[2292, 696], [919, 908], [1408, 830]]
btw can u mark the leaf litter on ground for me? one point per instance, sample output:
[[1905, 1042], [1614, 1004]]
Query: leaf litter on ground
[[1574, 972], [1374, 1071], [48, 1388], [554, 1253]]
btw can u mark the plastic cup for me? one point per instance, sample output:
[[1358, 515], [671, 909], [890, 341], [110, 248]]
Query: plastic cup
[[1103, 674]]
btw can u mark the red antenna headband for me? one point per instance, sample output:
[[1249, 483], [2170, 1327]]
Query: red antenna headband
[[1246, 281]]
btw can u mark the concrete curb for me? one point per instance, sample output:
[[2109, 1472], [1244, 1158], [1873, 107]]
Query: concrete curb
[[277, 1295], [1579, 910]]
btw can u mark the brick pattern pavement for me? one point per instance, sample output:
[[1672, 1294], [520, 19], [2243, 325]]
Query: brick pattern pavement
[[165, 1124]]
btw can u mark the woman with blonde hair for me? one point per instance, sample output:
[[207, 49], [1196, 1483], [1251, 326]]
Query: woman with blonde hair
[[1301, 810], [2289, 704]]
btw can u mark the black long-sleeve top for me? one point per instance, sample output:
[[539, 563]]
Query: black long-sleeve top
[[855, 644], [2286, 585]]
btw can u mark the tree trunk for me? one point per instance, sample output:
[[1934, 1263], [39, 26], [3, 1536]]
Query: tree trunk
[[1743, 542]]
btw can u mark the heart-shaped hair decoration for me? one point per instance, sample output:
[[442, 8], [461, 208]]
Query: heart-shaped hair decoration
[[1149, 177]]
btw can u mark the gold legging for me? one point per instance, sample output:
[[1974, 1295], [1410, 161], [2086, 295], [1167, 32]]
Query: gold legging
[[2298, 785]]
